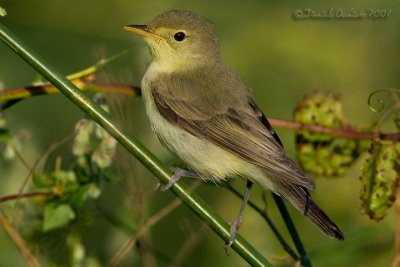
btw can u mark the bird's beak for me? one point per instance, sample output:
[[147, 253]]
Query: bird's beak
[[143, 30]]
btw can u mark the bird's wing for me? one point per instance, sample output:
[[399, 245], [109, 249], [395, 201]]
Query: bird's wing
[[238, 127]]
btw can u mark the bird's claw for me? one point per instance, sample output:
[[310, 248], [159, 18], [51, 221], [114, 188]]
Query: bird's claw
[[234, 227]]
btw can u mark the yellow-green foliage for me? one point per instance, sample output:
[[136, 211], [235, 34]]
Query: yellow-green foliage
[[380, 179], [319, 153]]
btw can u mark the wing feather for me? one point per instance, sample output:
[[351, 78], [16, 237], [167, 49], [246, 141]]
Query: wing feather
[[241, 129]]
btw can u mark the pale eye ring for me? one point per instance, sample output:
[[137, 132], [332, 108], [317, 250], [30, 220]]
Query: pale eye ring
[[179, 36]]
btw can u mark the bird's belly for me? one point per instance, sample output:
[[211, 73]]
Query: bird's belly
[[207, 159]]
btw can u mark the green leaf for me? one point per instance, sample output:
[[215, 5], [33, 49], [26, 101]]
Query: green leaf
[[41, 181], [3, 12], [380, 179], [77, 197], [56, 216], [65, 177], [5, 135], [321, 154]]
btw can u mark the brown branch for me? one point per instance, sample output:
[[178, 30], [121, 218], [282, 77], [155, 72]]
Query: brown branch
[[27, 195], [83, 84], [346, 132], [19, 242]]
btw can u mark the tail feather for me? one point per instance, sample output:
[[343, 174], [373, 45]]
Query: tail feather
[[300, 199]]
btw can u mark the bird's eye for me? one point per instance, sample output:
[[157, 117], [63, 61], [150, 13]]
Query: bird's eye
[[179, 36]]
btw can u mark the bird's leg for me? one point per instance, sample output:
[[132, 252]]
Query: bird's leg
[[236, 223], [178, 174], [183, 172]]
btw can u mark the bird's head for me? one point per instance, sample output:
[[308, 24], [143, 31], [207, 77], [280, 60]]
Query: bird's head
[[179, 39]]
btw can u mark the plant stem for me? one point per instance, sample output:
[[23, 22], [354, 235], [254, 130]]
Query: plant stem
[[27, 195], [162, 172], [304, 259], [19, 242]]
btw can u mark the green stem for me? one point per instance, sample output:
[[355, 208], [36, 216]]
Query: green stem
[[304, 259], [243, 248], [275, 230]]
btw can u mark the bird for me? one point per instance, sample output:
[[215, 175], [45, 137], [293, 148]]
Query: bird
[[202, 111]]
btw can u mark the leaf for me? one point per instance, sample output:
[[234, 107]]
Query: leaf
[[66, 178], [380, 179], [56, 216], [321, 154], [3, 12], [5, 135], [77, 197], [42, 180]]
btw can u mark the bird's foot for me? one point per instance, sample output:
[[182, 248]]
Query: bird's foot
[[178, 174], [236, 223], [234, 228]]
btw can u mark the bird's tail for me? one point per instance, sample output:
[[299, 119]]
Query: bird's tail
[[299, 197]]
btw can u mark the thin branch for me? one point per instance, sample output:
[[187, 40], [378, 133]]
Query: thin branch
[[27, 195], [21, 157], [19, 242], [304, 258], [14, 95], [81, 79], [347, 132], [142, 230], [191, 241], [35, 167], [385, 115]]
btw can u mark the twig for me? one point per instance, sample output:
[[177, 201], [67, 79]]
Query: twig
[[142, 229], [19, 242], [14, 95], [26, 195], [194, 238], [21, 157], [383, 117], [347, 132], [81, 79], [305, 260], [32, 171]]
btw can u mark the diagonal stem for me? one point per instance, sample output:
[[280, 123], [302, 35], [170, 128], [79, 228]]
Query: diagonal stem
[[304, 258], [19, 242], [153, 164]]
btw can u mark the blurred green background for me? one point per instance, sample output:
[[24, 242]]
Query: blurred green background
[[279, 57]]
